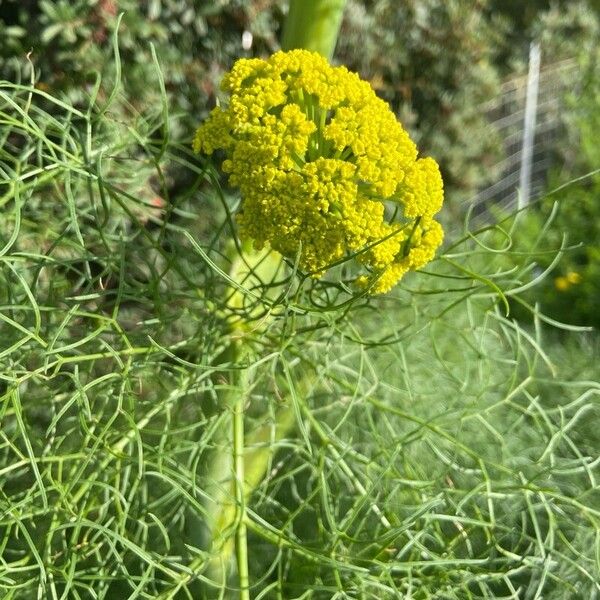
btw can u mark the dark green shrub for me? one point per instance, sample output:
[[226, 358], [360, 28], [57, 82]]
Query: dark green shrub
[[195, 43]]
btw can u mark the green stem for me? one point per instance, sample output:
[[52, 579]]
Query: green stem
[[241, 541], [313, 25], [222, 514]]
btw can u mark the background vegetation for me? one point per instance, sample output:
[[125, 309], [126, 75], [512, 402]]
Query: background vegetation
[[441, 449]]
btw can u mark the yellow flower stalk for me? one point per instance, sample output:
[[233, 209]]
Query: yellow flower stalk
[[320, 161]]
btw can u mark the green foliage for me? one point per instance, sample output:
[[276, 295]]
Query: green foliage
[[437, 447], [71, 41]]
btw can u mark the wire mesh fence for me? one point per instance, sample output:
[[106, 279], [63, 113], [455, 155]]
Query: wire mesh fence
[[528, 116]]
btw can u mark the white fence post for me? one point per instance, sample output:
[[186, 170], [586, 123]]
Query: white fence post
[[533, 80]]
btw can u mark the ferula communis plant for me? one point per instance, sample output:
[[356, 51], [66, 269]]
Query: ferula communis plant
[[327, 175]]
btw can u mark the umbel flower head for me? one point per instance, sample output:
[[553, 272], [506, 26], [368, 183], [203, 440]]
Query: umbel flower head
[[324, 168]]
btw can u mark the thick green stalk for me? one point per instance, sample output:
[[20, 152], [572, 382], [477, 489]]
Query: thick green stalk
[[241, 542], [239, 465], [257, 455], [313, 25]]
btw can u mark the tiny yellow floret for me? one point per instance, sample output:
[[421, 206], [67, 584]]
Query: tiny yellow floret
[[562, 284], [320, 161]]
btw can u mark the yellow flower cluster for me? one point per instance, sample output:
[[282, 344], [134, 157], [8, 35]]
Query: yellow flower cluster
[[320, 161], [562, 284]]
